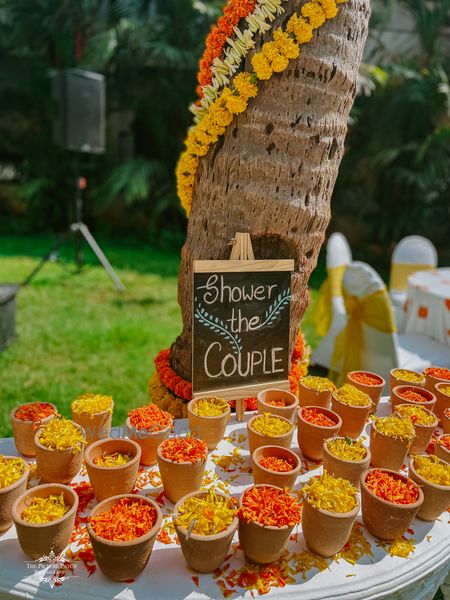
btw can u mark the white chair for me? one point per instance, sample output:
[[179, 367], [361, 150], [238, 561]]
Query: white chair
[[329, 314]]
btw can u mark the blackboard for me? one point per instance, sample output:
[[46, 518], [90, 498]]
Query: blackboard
[[241, 317]]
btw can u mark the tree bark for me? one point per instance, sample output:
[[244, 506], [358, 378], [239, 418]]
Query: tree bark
[[273, 172]]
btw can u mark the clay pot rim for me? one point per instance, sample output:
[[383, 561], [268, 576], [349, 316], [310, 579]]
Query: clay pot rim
[[21, 479], [294, 404], [255, 523], [73, 509], [149, 434], [295, 470], [423, 481], [366, 459], [197, 536], [421, 391], [442, 384], [365, 407], [436, 379], [209, 418], [433, 426], [93, 415], [263, 435], [389, 437], [44, 420], [392, 371], [329, 392], [440, 445], [68, 450], [172, 462], [320, 427], [371, 386], [143, 538], [329, 513], [413, 505], [89, 461]]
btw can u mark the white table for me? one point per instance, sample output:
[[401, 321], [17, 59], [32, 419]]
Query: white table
[[427, 304], [166, 575]]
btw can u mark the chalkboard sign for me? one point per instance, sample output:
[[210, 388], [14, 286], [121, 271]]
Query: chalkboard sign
[[241, 315]]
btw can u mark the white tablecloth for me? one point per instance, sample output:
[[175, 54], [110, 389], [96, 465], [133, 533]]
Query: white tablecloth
[[427, 304], [166, 576]]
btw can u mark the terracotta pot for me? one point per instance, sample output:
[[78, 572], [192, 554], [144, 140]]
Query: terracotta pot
[[255, 439], [264, 476], [424, 433], [262, 544], [396, 399], [396, 381], [310, 436], [209, 429], [287, 411], [9, 495], [309, 397], [179, 479], [387, 452], [441, 451], [373, 391], [112, 481], [57, 466], [325, 532], [346, 469], [204, 553], [24, 431], [122, 561], [353, 418], [436, 497], [442, 401], [96, 426], [148, 442], [384, 519], [39, 539], [431, 382], [446, 423]]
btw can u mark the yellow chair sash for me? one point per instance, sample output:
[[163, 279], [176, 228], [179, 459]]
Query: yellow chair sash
[[323, 312], [400, 272]]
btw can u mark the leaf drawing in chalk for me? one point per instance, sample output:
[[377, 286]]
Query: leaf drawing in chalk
[[218, 326], [274, 310]]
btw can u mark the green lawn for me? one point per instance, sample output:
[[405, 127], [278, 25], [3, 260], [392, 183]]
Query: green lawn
[[76, 334]]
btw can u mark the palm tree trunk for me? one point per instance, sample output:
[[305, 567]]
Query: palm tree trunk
[[273, 172]]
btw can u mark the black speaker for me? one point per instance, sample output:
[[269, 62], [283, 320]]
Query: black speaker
[[79, 124]]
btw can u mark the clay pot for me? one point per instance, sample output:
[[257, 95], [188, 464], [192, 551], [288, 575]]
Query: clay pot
[[325, 532], [204, 553], [429, 402], [436, 497], [424, 433], [442, 401], [431, 382], [310, 436], [209, 429], [39, 539], [122, 561], [446, 423], [24, 431], [148, 442], [346, 469], [262, 544], [179, 479], [96, 426], [287, 411], [387, 520], [441, 451], [264, 476], [255, 439], [9, 495], [112, 481], [353, 418], [387, 452], [309, 397], [396, 381], [57, 466], [373, 391]]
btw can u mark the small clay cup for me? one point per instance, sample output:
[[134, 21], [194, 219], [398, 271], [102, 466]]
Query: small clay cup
[[346, 469], [429, 397], [309, 397], [310, 436], [112, 481], [436, 497], [353, 418], [373, 391], [387, 520], [8, 495], [264, 476], [396, 381], [287, 411], [431, 382], [122, 561], [24, 431], [39, 539], [255, 439], [179, 479], [424, 433], [387, 452], [441, 451], [209, 429], [204, 553], [96, 426], [442, 401], [57, 466], [326, 532], [262, 544], [148, 441]]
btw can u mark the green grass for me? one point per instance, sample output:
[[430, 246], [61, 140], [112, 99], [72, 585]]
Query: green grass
[[76, 334]]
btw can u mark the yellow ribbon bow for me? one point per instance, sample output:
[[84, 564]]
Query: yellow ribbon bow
[[323, 310]]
